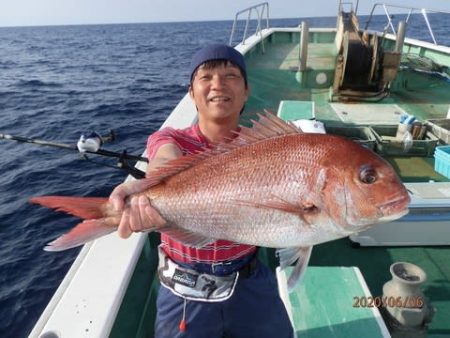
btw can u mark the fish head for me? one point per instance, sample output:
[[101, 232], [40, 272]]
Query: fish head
[[362, 188]]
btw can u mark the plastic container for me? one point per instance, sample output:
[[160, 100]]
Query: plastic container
[[440, 128], [387, 144], [362, 135], [442, 160]]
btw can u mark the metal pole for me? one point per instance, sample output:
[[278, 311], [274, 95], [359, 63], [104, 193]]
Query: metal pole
[[232, 31], [303, 46], [389, 19], [424, 13], [409, 14], [246, 26], [401, 31]]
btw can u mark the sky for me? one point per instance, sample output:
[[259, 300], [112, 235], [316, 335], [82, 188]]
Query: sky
[[60, 12]]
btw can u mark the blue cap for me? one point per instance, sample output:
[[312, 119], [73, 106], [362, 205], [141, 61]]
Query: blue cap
[[217, 52]]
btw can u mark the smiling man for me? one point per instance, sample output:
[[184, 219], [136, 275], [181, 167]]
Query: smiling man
[[220, 289]]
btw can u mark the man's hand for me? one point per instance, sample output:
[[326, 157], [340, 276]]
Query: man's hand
[[139, 215]]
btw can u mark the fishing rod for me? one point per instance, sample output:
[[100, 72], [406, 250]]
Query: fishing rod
[[89, 144]]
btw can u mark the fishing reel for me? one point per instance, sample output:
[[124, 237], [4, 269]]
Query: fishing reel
[[93, 141]]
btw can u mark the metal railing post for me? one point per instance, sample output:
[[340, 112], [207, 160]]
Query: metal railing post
[[246, 26], [259, 13], [425, 16], [389, 19], [303, 50], [400, 37]]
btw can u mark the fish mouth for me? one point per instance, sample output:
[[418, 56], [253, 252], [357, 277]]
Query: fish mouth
[[393, 217], [365, 224], [395, 208]]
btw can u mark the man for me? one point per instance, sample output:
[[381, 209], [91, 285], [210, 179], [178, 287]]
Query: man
[[248, 306]]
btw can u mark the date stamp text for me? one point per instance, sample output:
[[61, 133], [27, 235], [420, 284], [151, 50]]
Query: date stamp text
[[384, 301]]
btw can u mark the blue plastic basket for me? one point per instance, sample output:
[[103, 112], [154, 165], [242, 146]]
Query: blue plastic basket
[[442, 160]]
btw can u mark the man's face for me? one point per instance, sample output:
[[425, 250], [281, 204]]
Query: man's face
[[219, 92]]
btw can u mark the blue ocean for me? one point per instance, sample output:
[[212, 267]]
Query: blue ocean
[[56, 83]]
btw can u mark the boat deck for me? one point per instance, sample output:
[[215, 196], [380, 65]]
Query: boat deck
[[272, 77], [417, 93]]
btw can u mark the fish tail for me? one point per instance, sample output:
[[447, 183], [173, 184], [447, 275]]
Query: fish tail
[[100, 219]]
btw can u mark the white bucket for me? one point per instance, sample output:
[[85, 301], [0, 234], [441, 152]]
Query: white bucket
[[310, 126]]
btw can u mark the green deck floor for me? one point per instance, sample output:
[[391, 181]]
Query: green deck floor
[[323, 305]]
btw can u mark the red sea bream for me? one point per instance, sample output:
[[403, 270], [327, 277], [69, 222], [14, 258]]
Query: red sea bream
[[271, 186]]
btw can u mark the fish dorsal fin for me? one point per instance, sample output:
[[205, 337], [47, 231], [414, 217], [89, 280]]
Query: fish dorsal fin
[[268, 126]]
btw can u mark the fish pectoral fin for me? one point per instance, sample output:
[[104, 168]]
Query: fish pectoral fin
[[288, 256], [186, 237], [303, 210]]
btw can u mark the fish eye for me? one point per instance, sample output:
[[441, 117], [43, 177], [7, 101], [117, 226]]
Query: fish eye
[[368, 176]]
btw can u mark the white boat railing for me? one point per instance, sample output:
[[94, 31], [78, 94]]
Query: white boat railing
[[260, 10], [387, 8]]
